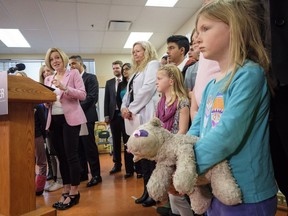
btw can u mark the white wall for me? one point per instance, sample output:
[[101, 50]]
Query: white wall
[[185, 30]]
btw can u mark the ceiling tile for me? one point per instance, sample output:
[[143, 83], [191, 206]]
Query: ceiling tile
[[93, 14], [90, 39], [95, 1], [60, 15], [89, 50], [65, 38], [38, 38], [115, 39], [18, 13], [126, 13]]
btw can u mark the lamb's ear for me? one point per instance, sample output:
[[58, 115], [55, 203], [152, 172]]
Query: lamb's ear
[[155, 122]]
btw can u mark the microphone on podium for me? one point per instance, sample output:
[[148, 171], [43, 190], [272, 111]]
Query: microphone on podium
[[18, 67]]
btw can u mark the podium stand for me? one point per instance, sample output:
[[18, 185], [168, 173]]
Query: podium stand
[[17, 157]]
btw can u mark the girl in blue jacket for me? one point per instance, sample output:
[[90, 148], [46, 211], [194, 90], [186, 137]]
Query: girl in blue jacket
[[232, 120]]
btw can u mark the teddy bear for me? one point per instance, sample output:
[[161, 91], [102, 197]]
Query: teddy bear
[[175, 162]]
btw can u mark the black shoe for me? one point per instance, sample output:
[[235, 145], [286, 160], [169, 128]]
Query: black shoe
[[57, 204], [115, 169], [74, 199], [149, 202], [164, 211], [39, 193], [128, 175], [139, 175], [171, 214], [94, 181], [142, 198]]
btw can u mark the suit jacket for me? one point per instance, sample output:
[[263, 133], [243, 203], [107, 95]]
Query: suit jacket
[[89, 104], [73, 112], [279, 39], [110, 98], [122, 85], [144, 92]]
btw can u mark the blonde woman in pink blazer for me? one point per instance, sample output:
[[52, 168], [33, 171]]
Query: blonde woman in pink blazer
[[64, 120]]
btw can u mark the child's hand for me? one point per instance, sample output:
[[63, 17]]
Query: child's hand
[[202, 180], [48, 104]]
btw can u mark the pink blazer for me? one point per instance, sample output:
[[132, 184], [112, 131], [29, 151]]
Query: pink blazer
[[73, 112]]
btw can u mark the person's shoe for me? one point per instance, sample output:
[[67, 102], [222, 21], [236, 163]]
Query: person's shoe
[[74, 200], [115, 169], [162, 210], [171, 214], [139, 175], [58, 203], [149, 202], [142, 198], [56, 186], [128, 175], [48, 184], [94, 181], [39, 193]]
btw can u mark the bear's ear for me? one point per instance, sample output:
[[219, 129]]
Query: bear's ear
[[155, 122]]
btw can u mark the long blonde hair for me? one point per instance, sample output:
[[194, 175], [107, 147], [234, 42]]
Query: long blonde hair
[[178, 90], [41, 70], [245, 37], [149, 55]]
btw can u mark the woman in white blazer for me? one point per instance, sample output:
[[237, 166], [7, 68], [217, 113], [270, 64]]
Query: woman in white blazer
[[142, 98]]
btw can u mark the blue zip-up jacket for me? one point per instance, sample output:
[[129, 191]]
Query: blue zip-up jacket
[[234, 125]]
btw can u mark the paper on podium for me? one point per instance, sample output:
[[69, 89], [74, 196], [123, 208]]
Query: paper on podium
[[132, 125]]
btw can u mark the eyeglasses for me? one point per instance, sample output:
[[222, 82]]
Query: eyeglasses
[[124, 69]]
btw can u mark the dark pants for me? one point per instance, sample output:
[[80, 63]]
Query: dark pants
[[279, 138], [116, 125], [65, 140], [147, 168], [128, 157], [83, 161], [91, 150]]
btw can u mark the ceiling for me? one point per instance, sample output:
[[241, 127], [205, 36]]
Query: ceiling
[[81, 26]]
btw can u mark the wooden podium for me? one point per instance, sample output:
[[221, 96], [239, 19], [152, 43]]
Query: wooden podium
[[17, 157]]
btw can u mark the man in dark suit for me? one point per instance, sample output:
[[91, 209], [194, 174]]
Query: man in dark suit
[[112, 114], [279, 106], [89, 107]]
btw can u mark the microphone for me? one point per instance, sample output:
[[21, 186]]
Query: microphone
[[18, 67]]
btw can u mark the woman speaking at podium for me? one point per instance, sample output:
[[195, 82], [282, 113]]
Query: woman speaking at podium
[[64, 120]]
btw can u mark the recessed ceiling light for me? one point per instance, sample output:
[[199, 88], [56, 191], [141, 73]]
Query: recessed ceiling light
[[161, 3], [137, 36], [13, 38]]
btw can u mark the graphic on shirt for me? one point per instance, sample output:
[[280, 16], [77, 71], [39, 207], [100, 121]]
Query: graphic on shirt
[[208, 107], [217, 109]]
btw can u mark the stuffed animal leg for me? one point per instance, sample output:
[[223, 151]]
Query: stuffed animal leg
[[185, 175], [200, 199], [224, 186], [160, 181]]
